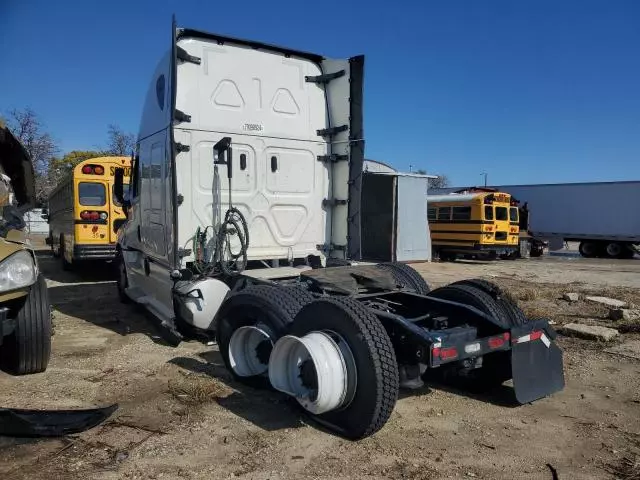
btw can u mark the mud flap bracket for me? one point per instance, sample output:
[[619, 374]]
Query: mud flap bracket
[[536, 362]]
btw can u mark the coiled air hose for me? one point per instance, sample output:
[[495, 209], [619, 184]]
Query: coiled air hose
[[224, 260], [234, 223]]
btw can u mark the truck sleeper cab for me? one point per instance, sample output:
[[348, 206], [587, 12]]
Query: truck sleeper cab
[[250, 155]]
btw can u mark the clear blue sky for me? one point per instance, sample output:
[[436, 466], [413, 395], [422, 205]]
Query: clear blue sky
[[529, 91]]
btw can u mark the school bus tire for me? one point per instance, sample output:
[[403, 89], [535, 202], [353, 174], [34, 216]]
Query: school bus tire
[[54, 252], [447, 257], [66, 266]]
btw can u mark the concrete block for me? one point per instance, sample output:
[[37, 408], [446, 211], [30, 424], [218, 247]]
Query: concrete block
[[607, 302], [590, 332]]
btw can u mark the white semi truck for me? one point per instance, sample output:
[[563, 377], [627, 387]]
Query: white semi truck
[[603, 216], [243, 222]]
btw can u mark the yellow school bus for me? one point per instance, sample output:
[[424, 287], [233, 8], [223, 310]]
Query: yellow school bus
[[482, 224], [84, 214]]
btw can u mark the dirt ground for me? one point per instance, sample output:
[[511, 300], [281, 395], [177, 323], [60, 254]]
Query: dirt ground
[[181, 415]]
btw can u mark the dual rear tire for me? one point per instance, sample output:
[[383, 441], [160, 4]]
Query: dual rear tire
[[505, 313], [251, 326]]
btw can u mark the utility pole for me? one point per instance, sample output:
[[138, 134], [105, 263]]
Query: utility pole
[[485, 178]]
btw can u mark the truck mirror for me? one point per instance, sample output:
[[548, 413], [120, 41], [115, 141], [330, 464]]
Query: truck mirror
[[118, 189]]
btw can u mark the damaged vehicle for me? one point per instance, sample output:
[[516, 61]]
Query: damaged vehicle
[[25, 312], [25, 315]]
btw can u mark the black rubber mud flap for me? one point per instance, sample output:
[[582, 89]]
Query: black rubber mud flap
[[537, 366], [16, 422]]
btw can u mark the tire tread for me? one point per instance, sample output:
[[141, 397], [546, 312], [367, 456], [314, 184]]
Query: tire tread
[[514, 314], [407, 277], [383, 359], [28, 349]]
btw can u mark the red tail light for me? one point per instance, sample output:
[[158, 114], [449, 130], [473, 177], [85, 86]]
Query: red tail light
[[497, 342], [93, 170], [448, 353], [93, 215]]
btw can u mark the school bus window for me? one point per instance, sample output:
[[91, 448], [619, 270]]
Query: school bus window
[[501, 213], [488, 212], [92, 194], [461, 213], [513, 214], [125, 190], [444, 213], [432, 213]]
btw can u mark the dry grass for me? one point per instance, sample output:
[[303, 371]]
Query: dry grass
[[195, 390], [534, 311], [527, 294]]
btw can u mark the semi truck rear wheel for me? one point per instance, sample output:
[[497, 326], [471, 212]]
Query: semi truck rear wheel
[[496, 367], [407, 277], [515, 315], [474, 297], [356, 395], [248, 325]]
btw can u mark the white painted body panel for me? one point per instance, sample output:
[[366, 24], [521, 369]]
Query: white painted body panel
[[260, 100], [607, 211], [592, 210]]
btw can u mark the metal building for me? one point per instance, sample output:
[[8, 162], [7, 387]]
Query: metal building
[[394, 215]]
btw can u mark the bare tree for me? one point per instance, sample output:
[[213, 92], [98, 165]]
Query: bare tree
[[30, 131], [120, 142], [441, 181]]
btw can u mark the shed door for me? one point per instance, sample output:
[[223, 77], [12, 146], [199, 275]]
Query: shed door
[[413, 239]]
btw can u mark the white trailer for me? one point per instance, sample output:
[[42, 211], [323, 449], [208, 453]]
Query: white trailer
[[603, 216], [249, 154]]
